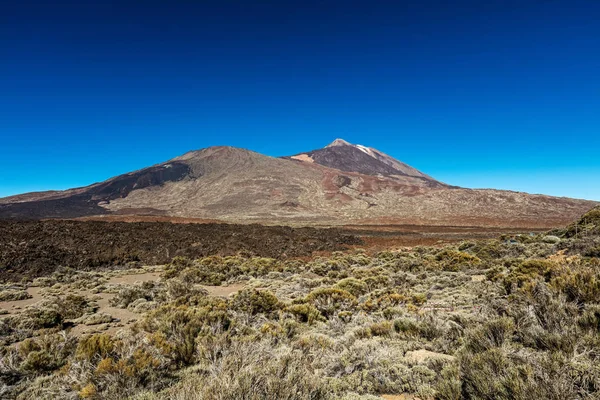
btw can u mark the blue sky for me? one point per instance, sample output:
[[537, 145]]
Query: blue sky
[[501, 94]]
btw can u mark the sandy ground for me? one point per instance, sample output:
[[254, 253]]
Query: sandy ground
[[398, 397], [478, 278], [423, 355]]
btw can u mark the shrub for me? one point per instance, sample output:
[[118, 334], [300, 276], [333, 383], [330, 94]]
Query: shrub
[[256, 301], [39, 318], [450, 386], [46, 353], [384, 328], [383, 299], [592, 252], [97, 346], [329, 301], [148, 291], [353, 286], [406, 326], [74, 306], [254, 371], [590, 319], [177, 327], [527, 272], [454, 260], [579, 285], [491, 335], [306, 313], [14, 294], [95, 319]]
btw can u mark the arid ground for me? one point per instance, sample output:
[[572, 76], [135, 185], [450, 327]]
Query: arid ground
[[33, 248], [99, 310]]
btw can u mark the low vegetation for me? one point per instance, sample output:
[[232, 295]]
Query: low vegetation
[[517, 317]]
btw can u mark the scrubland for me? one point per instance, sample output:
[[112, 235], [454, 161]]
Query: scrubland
[[517, 317]]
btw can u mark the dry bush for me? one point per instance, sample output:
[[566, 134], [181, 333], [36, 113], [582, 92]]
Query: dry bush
[[13, 294], [256, 302], [253, 371], [330, 301], [530, 329]]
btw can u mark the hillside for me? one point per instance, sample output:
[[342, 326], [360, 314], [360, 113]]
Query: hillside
[[339, 184]]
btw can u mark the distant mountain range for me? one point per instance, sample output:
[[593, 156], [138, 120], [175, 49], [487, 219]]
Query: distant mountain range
[[341, 183]]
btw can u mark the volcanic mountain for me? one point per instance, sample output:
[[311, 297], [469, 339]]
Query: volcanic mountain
[[365, 160], [341, 183]]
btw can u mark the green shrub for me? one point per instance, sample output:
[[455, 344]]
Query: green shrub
[[590, 319], [592, 252], [256, 301], [528, 272], [579, 285], [406, 326], [14, 295], [306, 313], [149, 291], [383, 299], [490, 335], [176, 328], [95, 347], [39, 318], [74, 306], [384, 328], [450, 386], [454, 260], [46, 353], [329, 301], [353, 286]]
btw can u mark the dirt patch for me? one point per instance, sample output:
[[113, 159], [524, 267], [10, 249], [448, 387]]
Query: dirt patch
[[224, 291], [422, 355], [134, 278], [303, 157], [30, 249], [386, 237]]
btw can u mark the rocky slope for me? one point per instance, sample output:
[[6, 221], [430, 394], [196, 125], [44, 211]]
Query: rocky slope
[[366, 160], [339, 184]]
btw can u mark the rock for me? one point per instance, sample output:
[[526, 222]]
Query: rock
[[551, 239]]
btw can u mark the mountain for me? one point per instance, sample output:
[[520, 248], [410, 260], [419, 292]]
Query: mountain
[[366, 160], [341, 183]]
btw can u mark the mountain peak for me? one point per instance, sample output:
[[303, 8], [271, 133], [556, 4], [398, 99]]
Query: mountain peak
[[338, 142], [346, 156]]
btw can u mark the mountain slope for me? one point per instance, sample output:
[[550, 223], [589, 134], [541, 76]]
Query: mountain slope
[[339, 184], [365, 160]]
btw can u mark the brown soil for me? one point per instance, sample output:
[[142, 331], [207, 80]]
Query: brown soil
[[378, 238], [35, 248], [223, 291]]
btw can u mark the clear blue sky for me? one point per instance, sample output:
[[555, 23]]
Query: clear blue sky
[[502, 94]]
